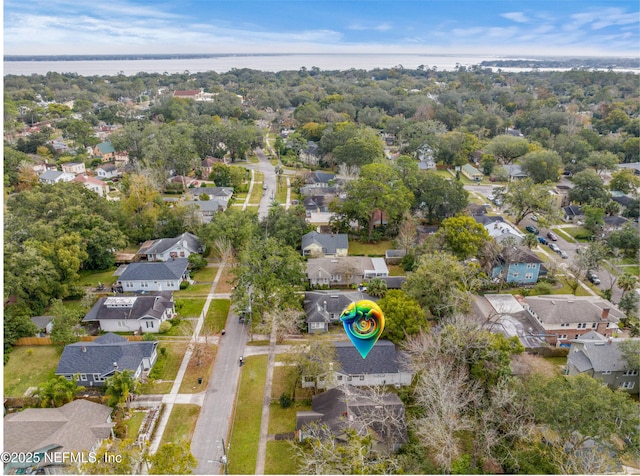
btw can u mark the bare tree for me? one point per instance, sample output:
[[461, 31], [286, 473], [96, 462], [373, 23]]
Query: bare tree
[[283, 323], [407, 234], [223, 248]]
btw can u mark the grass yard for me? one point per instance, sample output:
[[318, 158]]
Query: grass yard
[[190, 307], [243, 451], [396, 270], [216, 318], [358, 248], [225, 284], [181, 424], [257, 191], [134, 422], [195, 290], [284, 378], [283, 420], [29, 366], [578, 233], [205, 275], [566, 236], [166, 368], [281, 190], [91, 278], [200, 366], [181, 328], [280, 458], [631, 269]]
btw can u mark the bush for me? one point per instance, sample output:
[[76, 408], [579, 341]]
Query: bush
[[184, 284], [285, 401], [542, 288], [148, 336], [165, 327]]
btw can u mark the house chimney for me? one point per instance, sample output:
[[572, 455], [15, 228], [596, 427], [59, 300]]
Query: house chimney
[[324, 306], [609, 340], [605, 312]]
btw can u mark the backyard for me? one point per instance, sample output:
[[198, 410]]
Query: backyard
[[29, 366], [166, 368]]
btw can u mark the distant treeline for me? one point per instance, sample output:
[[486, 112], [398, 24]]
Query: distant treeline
[[580, 63]]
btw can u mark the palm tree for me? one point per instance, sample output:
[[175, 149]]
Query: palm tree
[[376, 287], [120, 387], [627, 282], [58, 391], [530, 240]]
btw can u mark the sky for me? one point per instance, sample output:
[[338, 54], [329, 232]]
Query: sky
[[509, 27]]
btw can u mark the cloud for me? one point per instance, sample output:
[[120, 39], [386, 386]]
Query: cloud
[[603, 18], [518, 17], [358, 26]]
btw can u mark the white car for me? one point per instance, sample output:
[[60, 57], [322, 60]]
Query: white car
[[563, 254], [554, 247]]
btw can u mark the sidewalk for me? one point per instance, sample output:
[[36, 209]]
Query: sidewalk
[[264, 425]]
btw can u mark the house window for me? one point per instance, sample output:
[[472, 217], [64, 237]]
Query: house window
[[628, 385], [339, 377], [562, 336], [528, 276], [605, 372], [594, 325], [169, 284], [630, 372], [149, 324], [317, 325], [182, 254], [349, 378], [564, 324], [582, 325], [361, 377], [528, 265], [83, 377], [515, 275], [577, 335]]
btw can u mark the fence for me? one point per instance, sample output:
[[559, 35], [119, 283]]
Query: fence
[[48, 341]]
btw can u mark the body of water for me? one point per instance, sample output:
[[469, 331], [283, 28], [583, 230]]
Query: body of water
[[222, 64]]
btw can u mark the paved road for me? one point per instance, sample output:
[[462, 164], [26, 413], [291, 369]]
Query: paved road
[[269, 180], [216, 416]]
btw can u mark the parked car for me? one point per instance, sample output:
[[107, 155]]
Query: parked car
[[542, 240], [593, 277], [534, 217], [554, 247], [552, 236], [563, 254], [532, 229]]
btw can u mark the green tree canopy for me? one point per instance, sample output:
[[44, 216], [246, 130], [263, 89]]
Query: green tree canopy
[[173, 458], [542, 166], [403, 316], [463, 236], [525, 197], [588, 188]]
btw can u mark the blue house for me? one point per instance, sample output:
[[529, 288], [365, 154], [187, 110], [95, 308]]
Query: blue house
[[525, 268]]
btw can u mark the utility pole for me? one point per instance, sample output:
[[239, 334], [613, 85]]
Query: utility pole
[[224, 460]]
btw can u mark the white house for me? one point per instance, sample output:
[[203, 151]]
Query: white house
[[166, 249], [53, 176], [93, 184], [155, 276]]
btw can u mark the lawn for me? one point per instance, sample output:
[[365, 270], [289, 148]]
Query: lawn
[[195, 290], [283, 420], [205, 275], [91, 278], [257, 191], [200, 366], [578, 233], [181, 424], [396, 270], [283, 380], [166, 367], [280, 458], [29, 366], [133, 423], [281, 190], [225, 284], [190, 307], [243, 451], [216, 318], [378, 249], [181, 328], [631, 269], [566, 236]]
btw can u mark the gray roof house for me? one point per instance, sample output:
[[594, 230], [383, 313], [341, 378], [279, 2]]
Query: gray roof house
[[499, 231], [324, 307], [165, 249], [572, 213], [381, 367], [78, 426], [319, 178], [53, 176], [132, 313], [43, 323], [154, 276], [325, 244], [98, 360], [345, 270], [361, 409], [601, 358], [564, 317]]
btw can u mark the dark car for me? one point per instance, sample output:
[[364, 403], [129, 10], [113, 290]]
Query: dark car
[[593, 277], [532, 229], [552, 236], [542, 240]]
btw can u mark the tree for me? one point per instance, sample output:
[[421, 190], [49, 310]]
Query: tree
[[173, 458], [627, 240], [17, 323], [403, 316], [624, 181], [141, 204], [530, 241], [128, 460], [559, 404], [507, 148], [630, 350], [602, 161], [439, 284], [593, 219], [58, 391], [439, 197], [525, 197], [318, 359], [65, 323], [542, 166], [286, 225], [376, 287], [321, 453], [627, 282], [588, 188], [378, 189], [120, 387], [463, 236], [629, 304]]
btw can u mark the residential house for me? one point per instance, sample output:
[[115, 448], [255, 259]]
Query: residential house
[[91, 363], [381, 367], [74, 168], [325, 307], [564, 317], [93, 184], [344, 271], [613, 223], [48, 433], [104, 151], [122, 158], [205, 210], [393, 282], [195, 94], [514, 132], [500, 231], [635, 166], [506, 315], [53, 176], [138, 314], [471, 173], [573, 213], [485, 219], [524, 267], [317, 203], [601, 358], [207, 165], [514, 172], [154, 276], [320, 179], [44, 325], [60, 147], [218, 195], [324, 244], [321, 221], [394, 256], [364, 410], [622, 198], [317, 189], [107, 172], [425, 156], [166, 249]]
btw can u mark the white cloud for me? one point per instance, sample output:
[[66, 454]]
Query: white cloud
[[518, 17], [358, 26]]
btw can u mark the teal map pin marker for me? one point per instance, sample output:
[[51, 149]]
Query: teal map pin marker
[[363, 322]]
